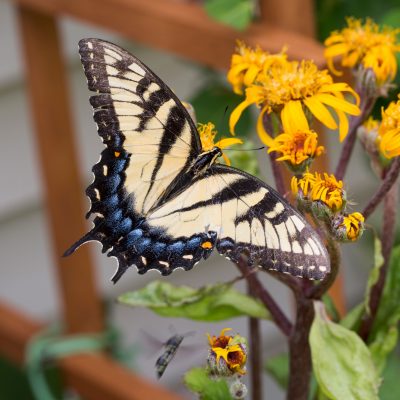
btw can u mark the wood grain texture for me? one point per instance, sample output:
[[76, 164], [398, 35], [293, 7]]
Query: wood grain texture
[[182, 28], [94, 376], [54, 138]]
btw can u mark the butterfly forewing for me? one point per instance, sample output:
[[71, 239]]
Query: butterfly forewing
[[152, 210], [137, 114]]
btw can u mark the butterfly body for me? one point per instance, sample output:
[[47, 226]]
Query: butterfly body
[[160, 201]]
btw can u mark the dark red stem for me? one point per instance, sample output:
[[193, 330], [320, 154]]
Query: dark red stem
[[258, 290], [388, 231], [355, 122], [389, 180]]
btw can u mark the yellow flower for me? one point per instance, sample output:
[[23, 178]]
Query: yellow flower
[[326, 189], [305, 184], [207, 134], [293, 87], [371, 124], [348, 227], [248, 64], [366, 44], [297, 144], [389, 131], [231, 349]]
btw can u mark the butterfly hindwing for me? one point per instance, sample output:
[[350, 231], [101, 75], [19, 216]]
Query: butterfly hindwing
[[246, 216]]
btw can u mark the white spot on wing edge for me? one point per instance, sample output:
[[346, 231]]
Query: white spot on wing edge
[[90, 45], [137, 68], [298, 222]]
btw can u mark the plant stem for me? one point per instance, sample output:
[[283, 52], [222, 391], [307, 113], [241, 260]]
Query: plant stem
[[388, 231], [299, 351], [258, 290], [389, 180], [255, 355], [355, 122]]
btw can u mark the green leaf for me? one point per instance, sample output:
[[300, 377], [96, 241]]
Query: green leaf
[[278, 368], [374, 274], [209, 303], [384, 332], [342, 362], [353, 317], [390, 385], [235, 13], [244, 160], [198, 381]]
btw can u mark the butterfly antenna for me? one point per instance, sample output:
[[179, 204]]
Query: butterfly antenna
[[257, 148]]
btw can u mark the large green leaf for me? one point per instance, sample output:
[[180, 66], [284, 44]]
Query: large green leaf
[[384, 333], [209, 303], [235, 13], [198, 381], [342, 362]]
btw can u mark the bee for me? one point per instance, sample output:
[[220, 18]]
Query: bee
[[170, 348]]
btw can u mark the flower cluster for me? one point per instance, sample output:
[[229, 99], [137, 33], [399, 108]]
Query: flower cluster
[[324, 196], [366, 45], [290, 89], [227, 354], [389, 131], [381, 139]]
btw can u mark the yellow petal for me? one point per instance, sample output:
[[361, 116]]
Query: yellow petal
[[336, 50], [320, 112], [224, 143], [343, 124], [340, 87], [293, 117], [338, 104], [251, 75], [235, 115], [262, 133]]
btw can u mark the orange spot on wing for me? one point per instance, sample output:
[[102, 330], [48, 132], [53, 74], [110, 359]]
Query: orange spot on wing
[[117, 153], [206, 245]]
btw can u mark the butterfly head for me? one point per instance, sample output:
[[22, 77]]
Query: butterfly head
[[206, 159]]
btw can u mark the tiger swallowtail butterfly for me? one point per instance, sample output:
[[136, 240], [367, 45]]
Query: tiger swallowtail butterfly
[[160, 202]]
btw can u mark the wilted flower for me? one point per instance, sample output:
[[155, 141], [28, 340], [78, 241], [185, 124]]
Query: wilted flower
[[348, 227], [228, 354]]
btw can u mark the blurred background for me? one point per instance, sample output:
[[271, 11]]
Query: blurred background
[[30, 281]]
